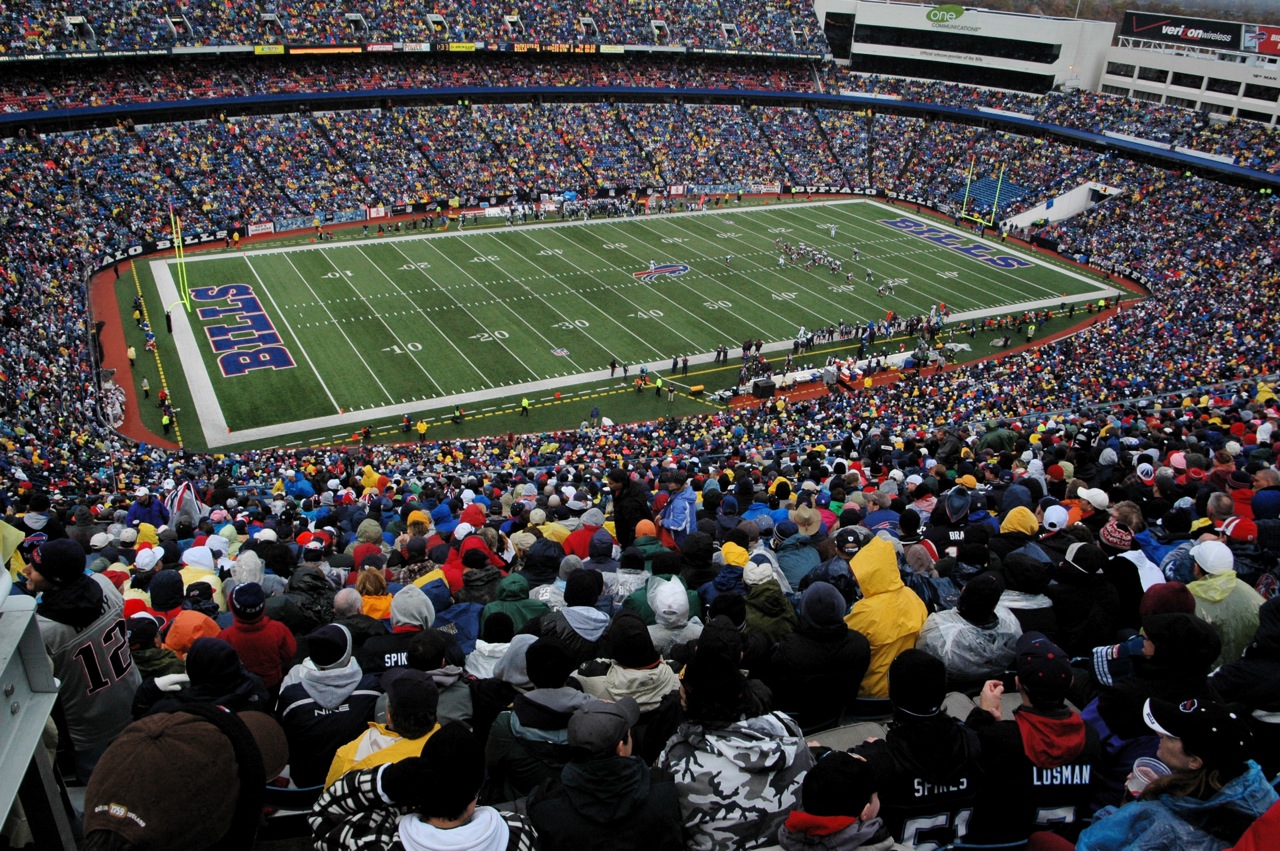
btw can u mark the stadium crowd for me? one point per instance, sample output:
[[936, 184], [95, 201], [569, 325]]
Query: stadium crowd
[[634, 632], [42, 26], [1007, 514], [1059, 631], [98, 83]]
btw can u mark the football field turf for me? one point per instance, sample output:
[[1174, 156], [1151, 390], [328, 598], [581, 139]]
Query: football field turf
[[288, 344]]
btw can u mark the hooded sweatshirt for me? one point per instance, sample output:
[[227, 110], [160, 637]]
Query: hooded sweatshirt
[[581, 628], [487, 830], [530, 742], [510, 677], [513, 600], [669, 602], [769, 612], [1037, 764], [600, 553], [320, 711], [411, 613]]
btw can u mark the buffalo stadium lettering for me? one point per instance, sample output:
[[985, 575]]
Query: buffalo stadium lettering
[[956, 242], [248, 340]]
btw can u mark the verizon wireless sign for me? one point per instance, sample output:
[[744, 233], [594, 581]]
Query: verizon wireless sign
[[1175, 29]]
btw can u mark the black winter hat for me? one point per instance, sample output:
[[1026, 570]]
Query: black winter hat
[[632, 645], [248, 601], [143, 629], [475, 559], [722, 636], [549, 663], [1024, 573], [60, 561], [737, 536], [838, 785], [330, 646], [166, 590], [583, 587], [909, 524], [917, 683], [822, 605], [454, 771], [978, 600]]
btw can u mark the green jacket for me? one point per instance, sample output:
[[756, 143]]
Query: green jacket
[[638, 602], [650, 546], [513, 600], [769, 612], [158, 662]]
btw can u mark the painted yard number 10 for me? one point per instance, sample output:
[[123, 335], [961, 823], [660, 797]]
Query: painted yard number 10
[[407, 347]]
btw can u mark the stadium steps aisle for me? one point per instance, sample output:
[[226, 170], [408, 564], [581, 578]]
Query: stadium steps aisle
[[335, 150], [830, 146], [576, 151], [762, 129], [622, 121], [406, 129]]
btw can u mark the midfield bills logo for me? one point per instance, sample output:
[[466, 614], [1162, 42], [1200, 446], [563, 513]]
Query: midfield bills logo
[[671, 269]]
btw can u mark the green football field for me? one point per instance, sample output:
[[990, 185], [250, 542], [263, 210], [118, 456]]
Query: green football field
[[298, 344]]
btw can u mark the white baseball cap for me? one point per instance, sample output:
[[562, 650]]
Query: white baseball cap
[[1213, 557]]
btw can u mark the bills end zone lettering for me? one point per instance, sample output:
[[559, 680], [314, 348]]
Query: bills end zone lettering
[[251, 342], [955, 242], [671, 269]]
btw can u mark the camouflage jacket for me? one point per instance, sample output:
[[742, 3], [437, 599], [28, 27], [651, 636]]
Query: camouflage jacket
[[354, 815], [736, 785]]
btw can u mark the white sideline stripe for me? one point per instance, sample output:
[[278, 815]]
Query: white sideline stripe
[[199, 382]]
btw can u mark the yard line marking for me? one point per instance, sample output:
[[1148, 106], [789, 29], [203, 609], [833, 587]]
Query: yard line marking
[[595, 306], [455, 300], [509, 308], [322, 304], [772, 271], [799, 302]]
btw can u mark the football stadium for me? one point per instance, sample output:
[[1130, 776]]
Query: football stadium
[[858, 416], [386, 326]]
